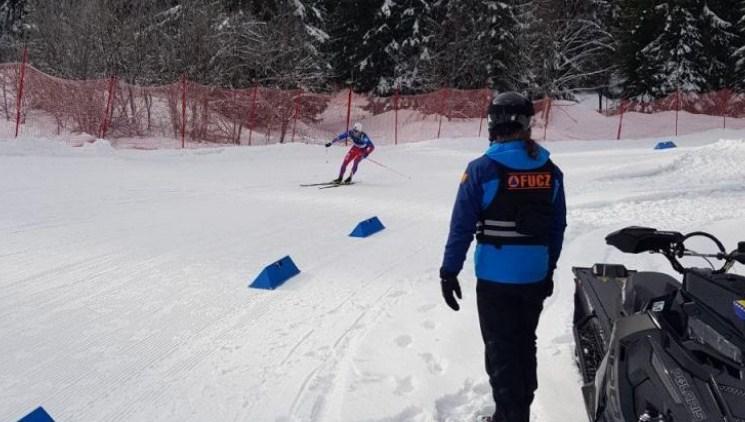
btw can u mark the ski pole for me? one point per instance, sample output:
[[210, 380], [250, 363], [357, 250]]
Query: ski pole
[[388, 168]]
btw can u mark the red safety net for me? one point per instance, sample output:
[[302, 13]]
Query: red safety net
[[697, 109], [187, 114]]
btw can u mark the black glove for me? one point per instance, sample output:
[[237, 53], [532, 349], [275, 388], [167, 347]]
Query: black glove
[[450, 285], [328, 144]]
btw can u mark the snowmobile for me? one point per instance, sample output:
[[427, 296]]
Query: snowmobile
[[651, 348]]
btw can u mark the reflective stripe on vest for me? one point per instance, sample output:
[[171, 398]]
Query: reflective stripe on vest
[[497, 228]]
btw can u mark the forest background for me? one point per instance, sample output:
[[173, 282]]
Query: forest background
[[639, 49]]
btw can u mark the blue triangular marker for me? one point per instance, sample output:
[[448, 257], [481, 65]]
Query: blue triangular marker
[[275, 274], [367, 227], [38, 415], [665, 145]]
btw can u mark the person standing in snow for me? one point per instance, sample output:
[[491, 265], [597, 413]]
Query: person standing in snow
[[362, 146], [512, 200]]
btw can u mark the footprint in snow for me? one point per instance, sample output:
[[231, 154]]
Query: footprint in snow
[[429, 324], [403, 341], [397, 294], [426, 308], [434, 365], [404, 385]]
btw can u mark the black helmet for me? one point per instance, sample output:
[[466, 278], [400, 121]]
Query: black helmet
[[509, 112]]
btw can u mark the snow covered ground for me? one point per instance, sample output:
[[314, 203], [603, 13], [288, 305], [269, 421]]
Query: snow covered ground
[[124, 274]]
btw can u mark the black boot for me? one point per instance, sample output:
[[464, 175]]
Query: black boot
[[337, 180], [512, 414], [348, 180]]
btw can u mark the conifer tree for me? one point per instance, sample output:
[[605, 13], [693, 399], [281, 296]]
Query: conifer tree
[[720, 39], [637, 26], [474, 44], [676, 54], [347, 23], [12, 13], [397, 48]]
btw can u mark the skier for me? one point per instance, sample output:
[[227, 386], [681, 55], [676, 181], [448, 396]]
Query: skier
[[362, 147], [512, 199]]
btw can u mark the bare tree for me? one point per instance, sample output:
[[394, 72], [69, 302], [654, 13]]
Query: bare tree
[[564, 45]]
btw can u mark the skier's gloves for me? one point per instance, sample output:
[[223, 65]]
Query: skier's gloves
[[450, 289], [328, 144]]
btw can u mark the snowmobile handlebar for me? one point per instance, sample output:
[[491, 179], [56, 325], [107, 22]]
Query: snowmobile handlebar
[[636, 239]]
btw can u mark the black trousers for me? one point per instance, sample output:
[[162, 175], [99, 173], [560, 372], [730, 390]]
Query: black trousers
[[508, 315]]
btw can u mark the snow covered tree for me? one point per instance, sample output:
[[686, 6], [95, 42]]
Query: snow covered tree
[[638, 24], [12, 13], [606, 14], [397, 51], [675, 54], [310, 59], [720, 39], [347, 23], [473, 44], [567, 42], [285, 50], [64, 36], [554, 47], [217, 42]]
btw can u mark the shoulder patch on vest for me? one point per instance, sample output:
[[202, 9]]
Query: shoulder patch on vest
[[464, 178], [529, 181]]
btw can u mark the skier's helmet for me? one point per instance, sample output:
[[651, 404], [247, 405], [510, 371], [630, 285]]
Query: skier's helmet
[[509, 112], [357, 127]]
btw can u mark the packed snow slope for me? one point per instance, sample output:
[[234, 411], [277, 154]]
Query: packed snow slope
[[124, 276]]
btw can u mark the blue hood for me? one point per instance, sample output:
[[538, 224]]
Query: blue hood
[[514, 155]]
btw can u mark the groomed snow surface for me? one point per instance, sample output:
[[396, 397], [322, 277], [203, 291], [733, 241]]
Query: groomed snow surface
[[124, 274]]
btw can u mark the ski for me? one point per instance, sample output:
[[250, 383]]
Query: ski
[[318, 184], [336, 185]]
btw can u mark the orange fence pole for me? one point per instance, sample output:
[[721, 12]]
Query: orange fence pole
[[395, 107], [442, 110], [294, 114], [21, 84], [349, 111], [107, 114], [183, 111], [488, 100], [252, 117], [725, 101], [620, 120], [547, 110], [677, 109]]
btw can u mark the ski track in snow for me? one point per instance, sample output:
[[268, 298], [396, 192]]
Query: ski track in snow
[[123, 287]]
